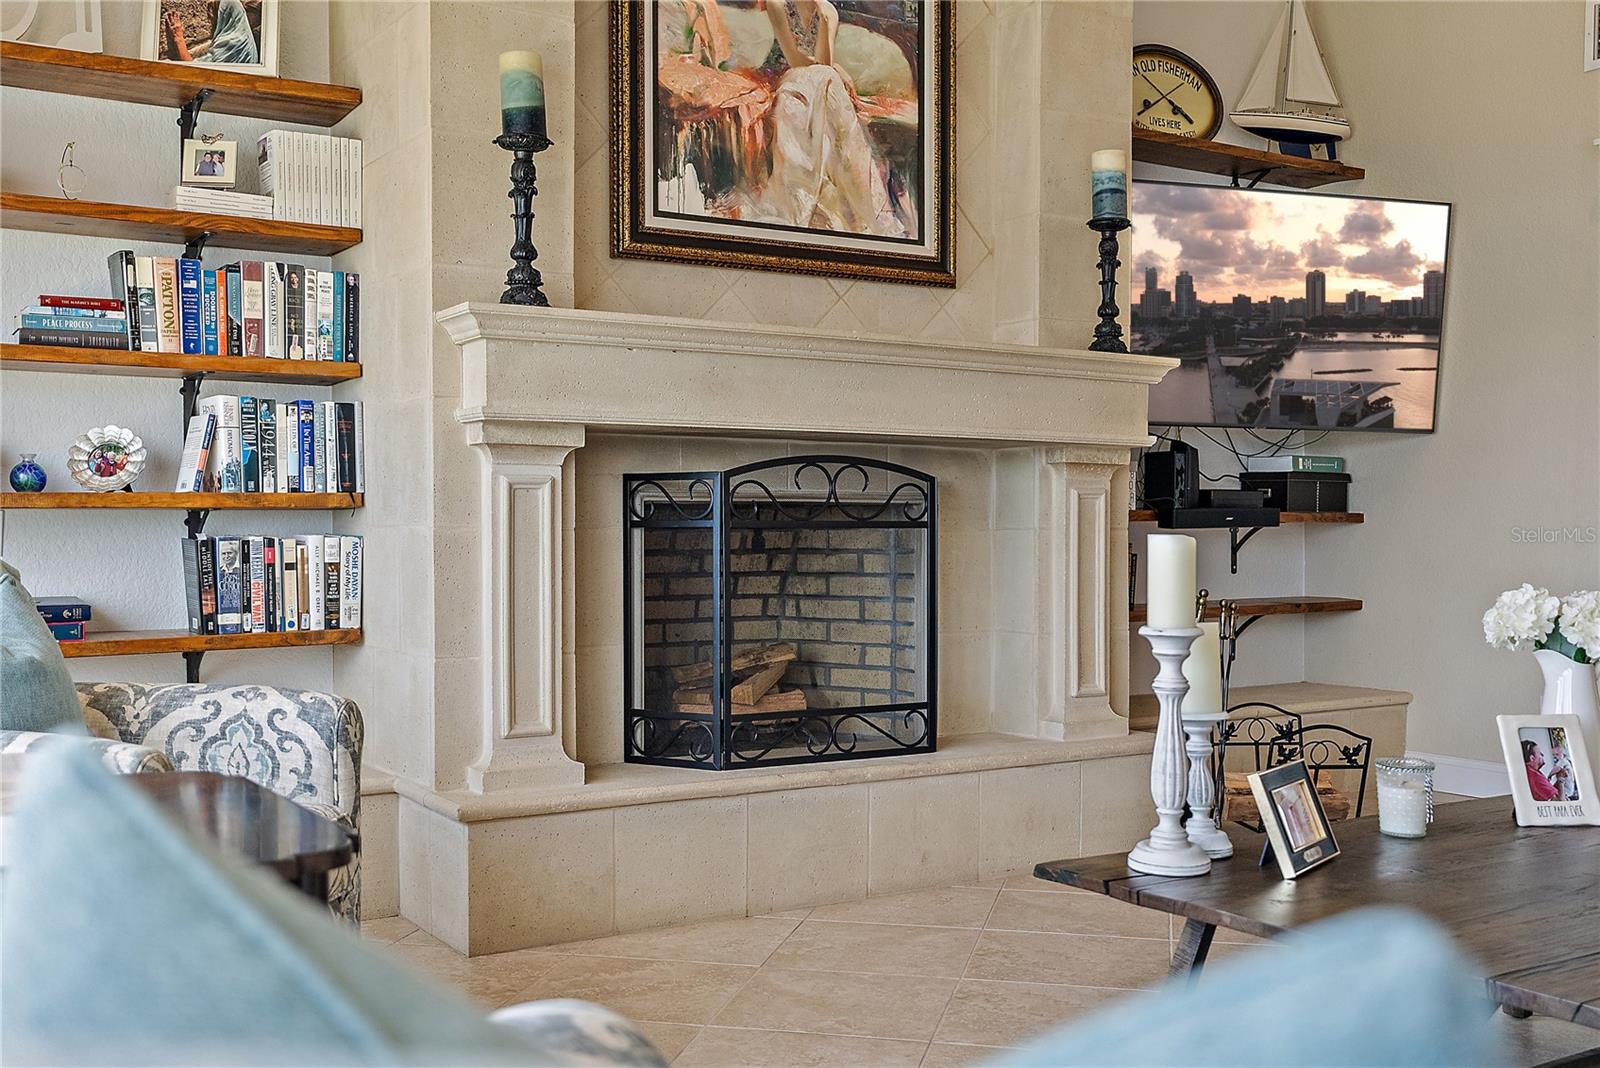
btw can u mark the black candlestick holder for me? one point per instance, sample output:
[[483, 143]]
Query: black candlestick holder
[[523, 281], [1108, 332]]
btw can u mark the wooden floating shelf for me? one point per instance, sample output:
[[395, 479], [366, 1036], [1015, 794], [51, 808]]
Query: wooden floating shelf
[[1148, 515], [138, 222], [143, 642], [1268, 606], [141, 81], [1234, 161], [174, 365], [266, 502]]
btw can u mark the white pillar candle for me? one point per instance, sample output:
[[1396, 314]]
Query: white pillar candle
[[1402, 807], [1108, 175], [1203, 669], [1171, 583]]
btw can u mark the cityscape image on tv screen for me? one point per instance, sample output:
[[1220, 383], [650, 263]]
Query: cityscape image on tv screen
[[1288, 310]]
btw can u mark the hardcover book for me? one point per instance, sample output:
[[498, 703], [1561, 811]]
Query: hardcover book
[[273, 328], [208, 312], [64, 609], [345, 439], [168, 329], [230, 586], [267, 420], [316, 584], [225, 464], [191, 584], [196, 447], [324, 315], [289, 447], [350, 582], [294, 311], [66, 632], [208, 584], [189, 307], [144, 273], [99, 304], [245, 624], [235, 309], [258, 584], [331, 587], [308, 445], [254, 305], [250, 445], [73, 339], [308, 324], [87, 324], [125, 289], [223, 313], [319, 437], [352, 316], [360, 449], [338, 315], [303, 571], [289, 551]]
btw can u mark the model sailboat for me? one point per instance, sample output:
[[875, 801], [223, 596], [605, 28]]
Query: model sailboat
[[1290, 97]]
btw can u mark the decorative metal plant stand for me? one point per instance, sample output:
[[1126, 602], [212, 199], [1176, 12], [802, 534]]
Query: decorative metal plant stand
[[1168, 850], [523, 281], [1108, 332], [780, 612]]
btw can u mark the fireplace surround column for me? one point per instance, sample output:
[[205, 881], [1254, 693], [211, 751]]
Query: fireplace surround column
[[1086, 615], [527, 523]]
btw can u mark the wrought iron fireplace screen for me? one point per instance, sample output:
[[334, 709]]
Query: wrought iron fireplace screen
[[780, 612]]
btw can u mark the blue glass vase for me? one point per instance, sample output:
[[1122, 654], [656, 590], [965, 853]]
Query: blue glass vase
[[28, 476]]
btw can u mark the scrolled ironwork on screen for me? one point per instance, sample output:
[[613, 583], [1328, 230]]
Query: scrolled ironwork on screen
[[653, 737], [748, 495], [691, 507], [753, 739]]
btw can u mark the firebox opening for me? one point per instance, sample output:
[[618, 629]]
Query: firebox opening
[[780, 613]]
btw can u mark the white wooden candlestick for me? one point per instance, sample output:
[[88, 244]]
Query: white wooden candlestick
[[1202, 826], [1168, 850]]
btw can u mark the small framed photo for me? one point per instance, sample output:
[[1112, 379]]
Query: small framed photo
[[237, 35], [1552, 781], [1296, 826], [209, 162]]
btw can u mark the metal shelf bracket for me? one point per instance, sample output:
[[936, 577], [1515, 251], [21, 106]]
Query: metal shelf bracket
[[1235, 543]]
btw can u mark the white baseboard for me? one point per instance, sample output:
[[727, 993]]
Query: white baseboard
[[1474, 778]]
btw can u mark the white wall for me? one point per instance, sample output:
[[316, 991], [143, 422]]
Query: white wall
[[127, 564], [1517, 442]]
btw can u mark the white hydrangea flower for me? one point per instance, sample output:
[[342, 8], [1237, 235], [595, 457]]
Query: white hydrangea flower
[[1521, 618], [1580, 621]]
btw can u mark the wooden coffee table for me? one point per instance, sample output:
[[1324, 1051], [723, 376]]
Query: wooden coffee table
[[251, 821], [1522, 901]]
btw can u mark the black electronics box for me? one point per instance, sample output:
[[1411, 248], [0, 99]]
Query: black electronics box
[[1172, 477], [1301, 491], [1233, 498], [1191, 518]]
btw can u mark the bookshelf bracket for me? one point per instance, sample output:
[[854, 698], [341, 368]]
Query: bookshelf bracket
[[195, 521], [189, 114], [190, 391], [1235, 543], [191, 665], [1255, 179], [196, 245]]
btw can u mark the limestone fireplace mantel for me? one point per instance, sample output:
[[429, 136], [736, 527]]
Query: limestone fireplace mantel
[[537, 382]]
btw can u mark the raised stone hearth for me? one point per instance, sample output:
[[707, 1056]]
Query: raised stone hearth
[[1030, 449]]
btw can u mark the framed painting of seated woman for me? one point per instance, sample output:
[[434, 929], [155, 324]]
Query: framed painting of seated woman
[[809, 136]]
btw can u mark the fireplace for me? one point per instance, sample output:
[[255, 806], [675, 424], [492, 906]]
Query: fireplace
[[781, 612]]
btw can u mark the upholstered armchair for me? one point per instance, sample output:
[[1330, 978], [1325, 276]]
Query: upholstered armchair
[[301, 744]]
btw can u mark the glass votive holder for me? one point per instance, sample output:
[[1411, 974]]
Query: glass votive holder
[[1405, 796]]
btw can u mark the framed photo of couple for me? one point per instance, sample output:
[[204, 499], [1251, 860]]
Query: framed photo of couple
[[807, 136], [1552, 780]]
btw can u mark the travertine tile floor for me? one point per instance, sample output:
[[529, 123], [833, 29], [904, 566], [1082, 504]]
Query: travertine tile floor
[[937, 977]]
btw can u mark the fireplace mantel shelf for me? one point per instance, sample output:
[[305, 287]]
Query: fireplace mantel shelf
[[643, 373]]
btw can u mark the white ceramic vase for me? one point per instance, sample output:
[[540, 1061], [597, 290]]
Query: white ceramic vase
[[1570, 689]]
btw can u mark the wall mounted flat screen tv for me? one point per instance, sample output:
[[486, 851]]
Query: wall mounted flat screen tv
[[1290, 311]]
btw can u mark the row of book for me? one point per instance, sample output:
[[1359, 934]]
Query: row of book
[[312, 178], [280, 311], [261, 445], [260, 584], [65, 616]]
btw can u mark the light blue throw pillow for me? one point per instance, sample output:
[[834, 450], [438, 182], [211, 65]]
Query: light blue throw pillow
[[126, 941], [1378, 988], [36, 693]]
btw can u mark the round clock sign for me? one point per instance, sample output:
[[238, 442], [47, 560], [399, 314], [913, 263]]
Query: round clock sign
[[1173, 94]]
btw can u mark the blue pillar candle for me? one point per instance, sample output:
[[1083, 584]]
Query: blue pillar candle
[[1109, 183], [522, 93]]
